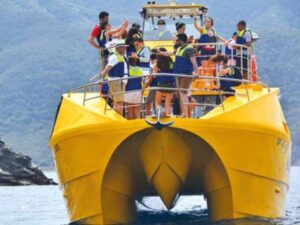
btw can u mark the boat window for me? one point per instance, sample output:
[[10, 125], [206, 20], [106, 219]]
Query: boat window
[[153, 32]]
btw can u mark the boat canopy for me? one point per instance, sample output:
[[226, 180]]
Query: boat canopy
[[172, 10], [170, 13]]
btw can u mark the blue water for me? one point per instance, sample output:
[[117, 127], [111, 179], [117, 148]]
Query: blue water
[[44, 205]]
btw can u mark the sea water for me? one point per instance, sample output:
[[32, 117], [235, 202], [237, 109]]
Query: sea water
[[44, 205]]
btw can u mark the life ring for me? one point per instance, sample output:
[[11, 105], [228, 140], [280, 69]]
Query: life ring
[[254, 68]]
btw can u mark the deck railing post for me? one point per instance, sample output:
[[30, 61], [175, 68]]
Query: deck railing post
[[218, 76], [247, 91], [221, 96], [84, 96], [142, 98], [241, 61], [181, 103], [105, 106], [219, 86]]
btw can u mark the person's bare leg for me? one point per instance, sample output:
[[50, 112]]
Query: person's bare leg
[[183, 103], [118, 107], [136, 111], [148, 109], [184, 85], [169, 97], [129, 111], [191, 106], [158, 98]]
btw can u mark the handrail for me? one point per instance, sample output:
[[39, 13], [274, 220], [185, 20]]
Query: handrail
[[246, 51], [94, 77], [240, 47], [244, 54], [217, 92], [171, 75]]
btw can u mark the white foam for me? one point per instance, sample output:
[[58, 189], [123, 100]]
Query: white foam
[[183, 204]]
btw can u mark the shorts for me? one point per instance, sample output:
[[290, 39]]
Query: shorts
[[151, 97], [105, 89], [225, 84], [167, 85], [133, 97], [204, 58], [184, 83], [117, 87], [205, 55]]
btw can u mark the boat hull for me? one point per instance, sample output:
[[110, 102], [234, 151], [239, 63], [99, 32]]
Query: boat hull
[[239, 160]]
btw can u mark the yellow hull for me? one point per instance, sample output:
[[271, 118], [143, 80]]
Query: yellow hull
[[238, 159]]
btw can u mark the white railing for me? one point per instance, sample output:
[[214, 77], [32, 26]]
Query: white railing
[[211, 98], [217, 94]]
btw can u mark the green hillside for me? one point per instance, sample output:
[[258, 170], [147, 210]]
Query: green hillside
[[44, 53]]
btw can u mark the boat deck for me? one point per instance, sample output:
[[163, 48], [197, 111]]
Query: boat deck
[[93, 102]]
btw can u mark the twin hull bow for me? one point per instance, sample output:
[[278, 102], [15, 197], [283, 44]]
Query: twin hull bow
[[237, 158]]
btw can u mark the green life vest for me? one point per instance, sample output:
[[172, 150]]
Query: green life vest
[[135, 71], [180, 51]]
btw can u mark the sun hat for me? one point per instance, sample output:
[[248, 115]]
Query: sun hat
[[120, 43]]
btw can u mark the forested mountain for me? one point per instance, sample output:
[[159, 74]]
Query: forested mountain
[[44, 53]]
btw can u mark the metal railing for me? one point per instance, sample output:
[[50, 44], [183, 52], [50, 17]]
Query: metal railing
[[241, 55], [206, 98], [218, 94]]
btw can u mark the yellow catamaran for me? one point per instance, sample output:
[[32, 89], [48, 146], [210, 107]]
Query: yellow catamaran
[[237, 154]]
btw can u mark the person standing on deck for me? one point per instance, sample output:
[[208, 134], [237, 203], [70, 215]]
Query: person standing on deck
[[133, 95], [107, 35], [162, 33], [96, 34], [133, 33], [151, 82], [143, 54], [185, 64], [208, 35], [163, 65], [138, 28], [117, 67], [244, 37], [180, 29]]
